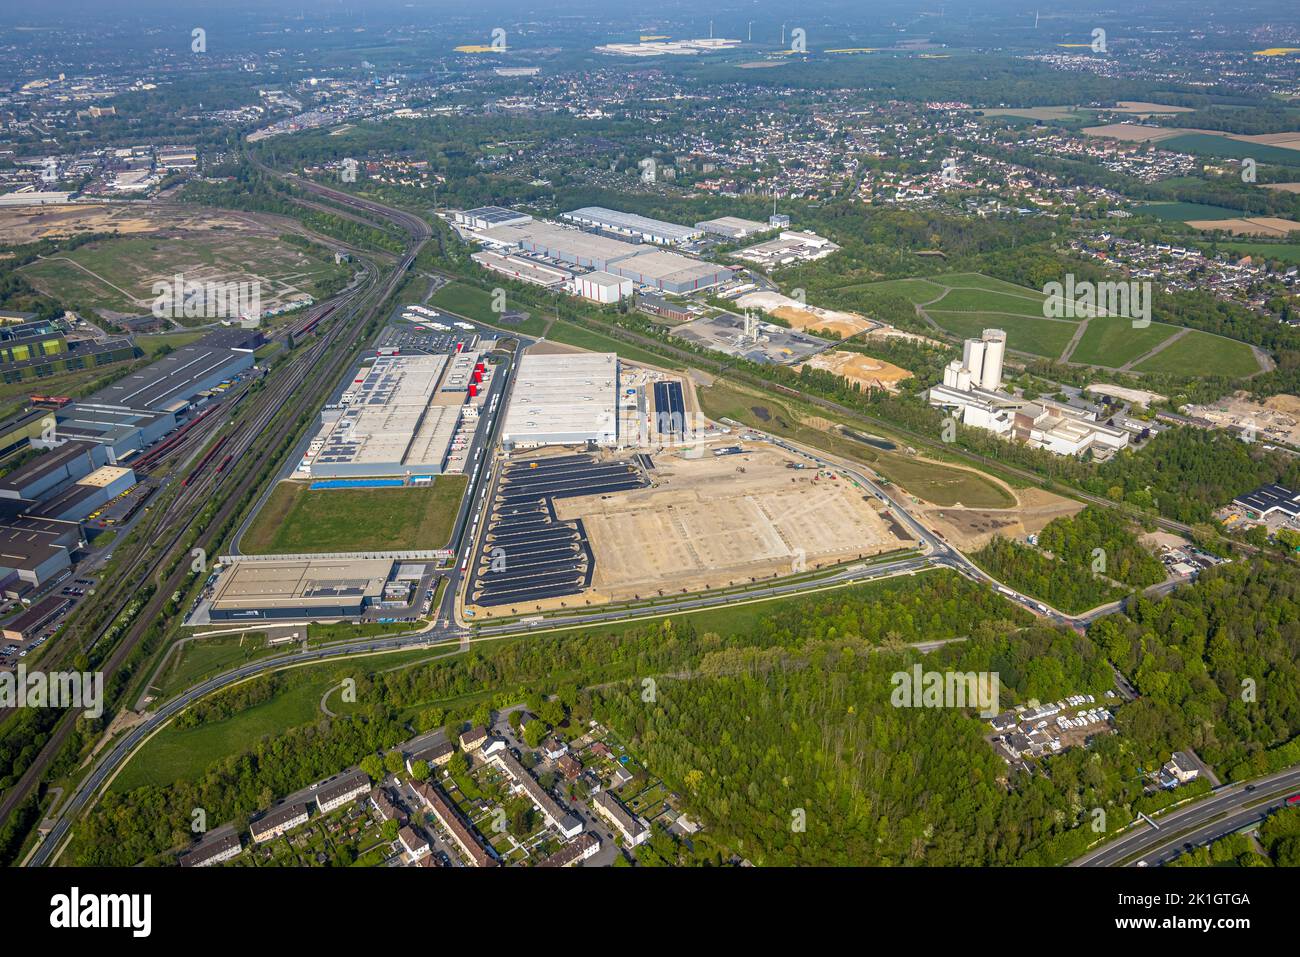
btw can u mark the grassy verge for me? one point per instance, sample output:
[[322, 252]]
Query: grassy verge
[[926, 480]]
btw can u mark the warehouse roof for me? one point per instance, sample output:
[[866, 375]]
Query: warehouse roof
[[301, 583], [562, 241], [1266, 498], [573, 395], [615, 219], [75, 457], [171, 379], [663, 266], [494, 214], [733, 224]]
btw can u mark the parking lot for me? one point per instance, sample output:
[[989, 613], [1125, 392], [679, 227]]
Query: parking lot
[[528, 554]]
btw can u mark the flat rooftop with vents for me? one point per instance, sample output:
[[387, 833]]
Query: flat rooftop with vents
[[563, 399], [299, 588]]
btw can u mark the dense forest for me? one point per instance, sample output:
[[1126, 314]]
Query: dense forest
[[1217, 665], [1081, 561], [764, 721]]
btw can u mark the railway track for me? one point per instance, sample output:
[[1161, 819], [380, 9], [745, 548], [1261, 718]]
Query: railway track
[[283, 401]]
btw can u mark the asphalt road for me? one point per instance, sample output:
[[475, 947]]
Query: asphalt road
[[1206, 820]]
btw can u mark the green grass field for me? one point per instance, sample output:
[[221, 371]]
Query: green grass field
[[572, 335], [1207, 144], [184, 754], [1198, 353], [1039, 337], [1286, 252], [973, 302], [154, 344], [296, 519], [927, 480], [203, 658], [1181, 212], [474, 303], [1028, 304], [1114, 341]]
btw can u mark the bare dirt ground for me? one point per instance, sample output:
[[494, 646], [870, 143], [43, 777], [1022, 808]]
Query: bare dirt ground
[[889, 332], [1276, 419], [868, 372], [1154, 540], [1271, 226], [720, 520], [970, 529], [548, 348], [1133, 132], [1141, 106], [803, 317], [25, 224], [1284, 187]]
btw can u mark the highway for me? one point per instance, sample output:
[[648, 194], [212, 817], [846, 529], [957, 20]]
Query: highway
[[1225, 811]]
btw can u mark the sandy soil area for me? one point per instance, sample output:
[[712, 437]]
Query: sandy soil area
[[1254, 226], [718, 520], [970, 529], [24, 224], [802, 316], [1276, 419], [870, 373]]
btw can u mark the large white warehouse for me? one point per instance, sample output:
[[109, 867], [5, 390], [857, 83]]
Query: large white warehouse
[[563, 399]]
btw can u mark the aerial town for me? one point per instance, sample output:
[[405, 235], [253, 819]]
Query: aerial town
[[666, 438]]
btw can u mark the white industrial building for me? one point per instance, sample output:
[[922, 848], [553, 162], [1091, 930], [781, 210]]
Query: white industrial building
[[563, 399], [603, 286], [396, 416], [486, 217], [524, 270], [732, 227], [630, 224], [971, 390], [980, 365]]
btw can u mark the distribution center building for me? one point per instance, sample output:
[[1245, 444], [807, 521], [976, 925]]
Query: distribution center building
[[630, 224], [485, 217], [396, 416], [670, 272], [299, 589], [603, 287], [563, 399], [732, 227]]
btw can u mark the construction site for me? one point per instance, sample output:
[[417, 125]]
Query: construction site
[[605, 527]]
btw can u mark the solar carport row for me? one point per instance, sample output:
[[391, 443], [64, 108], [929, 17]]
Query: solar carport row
[[670, 409], [527, 553]]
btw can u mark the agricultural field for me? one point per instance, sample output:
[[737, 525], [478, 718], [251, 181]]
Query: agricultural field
[[1286, 252], [1229, 147], [1183, 212], [297, 519], [115, 276]]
